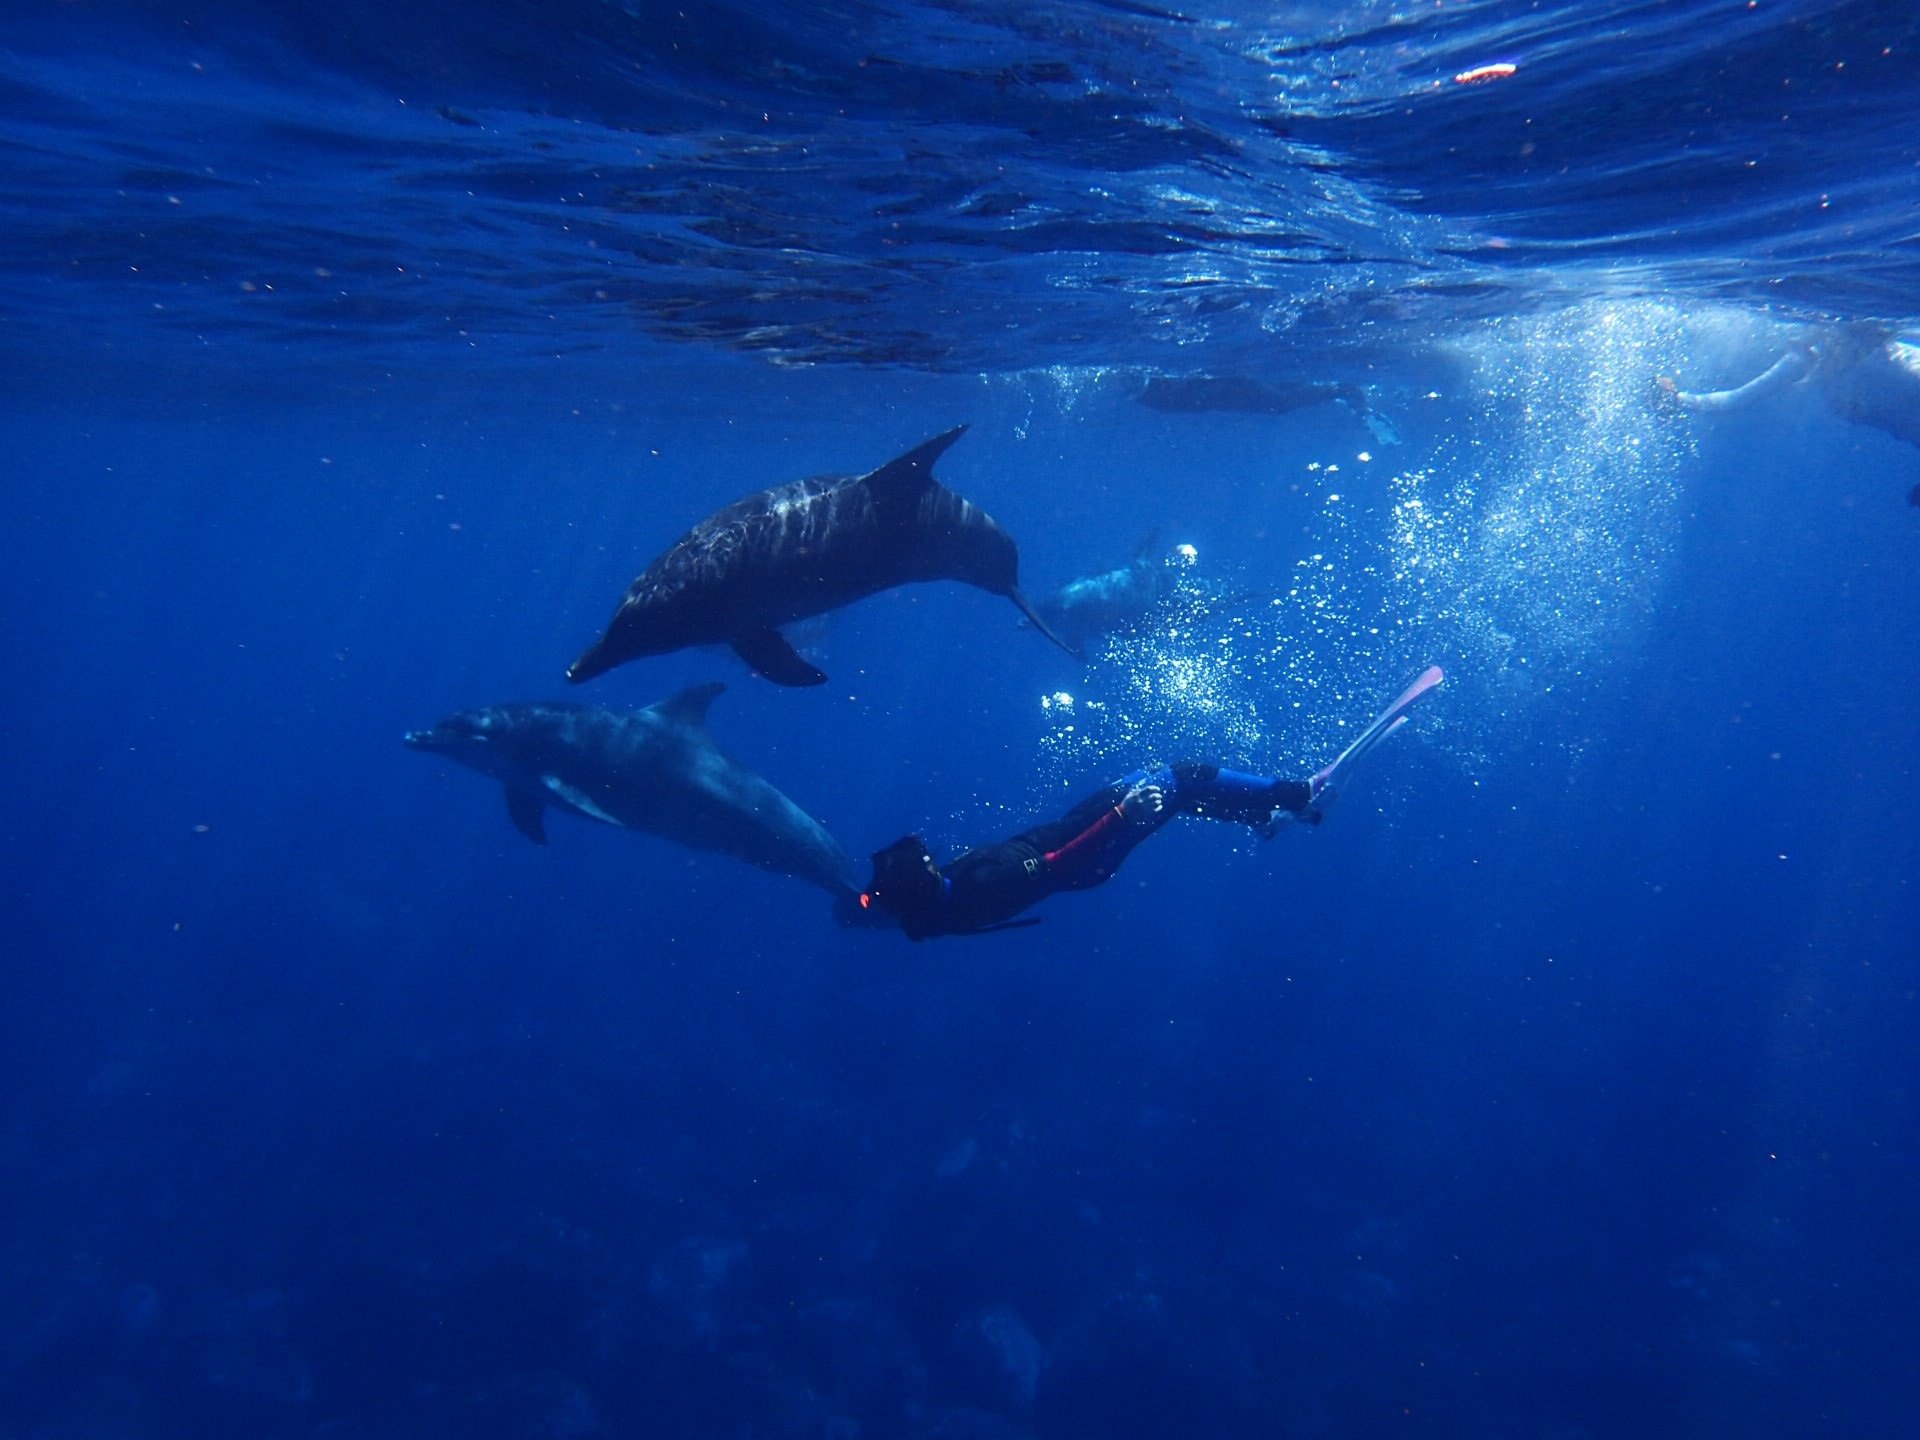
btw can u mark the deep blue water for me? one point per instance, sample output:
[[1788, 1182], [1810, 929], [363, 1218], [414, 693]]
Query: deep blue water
[[1560, 1085]]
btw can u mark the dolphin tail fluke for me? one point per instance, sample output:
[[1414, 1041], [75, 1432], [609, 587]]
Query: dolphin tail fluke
[[769, 654], [1033, 619], [526, 810], [1381, 428]]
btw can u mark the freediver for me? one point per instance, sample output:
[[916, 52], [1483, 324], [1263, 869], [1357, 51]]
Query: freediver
[[1866, 374], [984, 889]]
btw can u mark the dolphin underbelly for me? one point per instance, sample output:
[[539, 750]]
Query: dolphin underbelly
[[655, 770], [659, 772], [705, 801], [735, 812]]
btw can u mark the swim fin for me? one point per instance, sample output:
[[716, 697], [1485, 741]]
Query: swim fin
[[1327, 784]]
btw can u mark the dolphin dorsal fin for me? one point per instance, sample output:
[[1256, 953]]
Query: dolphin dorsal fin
[[906, 476], [689, 707]]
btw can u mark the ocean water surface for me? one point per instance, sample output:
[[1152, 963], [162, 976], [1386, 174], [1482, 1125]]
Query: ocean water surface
[[1560, 1085]]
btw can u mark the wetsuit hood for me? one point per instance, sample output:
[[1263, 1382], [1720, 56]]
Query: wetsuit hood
[[906, 884]]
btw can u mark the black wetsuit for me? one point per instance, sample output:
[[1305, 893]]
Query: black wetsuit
[[986, 887]]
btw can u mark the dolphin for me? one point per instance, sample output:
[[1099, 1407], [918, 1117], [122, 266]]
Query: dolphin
[[1093, 605], [1197, 394], [802, 549], [656, 770]]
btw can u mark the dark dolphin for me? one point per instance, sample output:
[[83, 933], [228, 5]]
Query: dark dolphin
[[1200, 394], [802, 549], [656, 770]]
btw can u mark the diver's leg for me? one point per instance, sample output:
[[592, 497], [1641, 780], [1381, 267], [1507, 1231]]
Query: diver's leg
[[1235, 795]]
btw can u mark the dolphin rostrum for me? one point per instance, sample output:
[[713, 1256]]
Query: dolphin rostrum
[[802, 549], [656, 770]]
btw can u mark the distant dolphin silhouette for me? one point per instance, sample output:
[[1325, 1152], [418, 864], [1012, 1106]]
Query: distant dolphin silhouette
[[1198, 394], [1090, 606], [656, 770], [801, 549]]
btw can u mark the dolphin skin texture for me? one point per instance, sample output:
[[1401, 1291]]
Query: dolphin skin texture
[[803, 549], [656, 770]]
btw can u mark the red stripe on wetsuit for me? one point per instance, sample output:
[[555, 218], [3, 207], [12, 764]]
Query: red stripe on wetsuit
[[1087, 838]]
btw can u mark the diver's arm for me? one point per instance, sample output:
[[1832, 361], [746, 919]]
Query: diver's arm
[[1788, 368]]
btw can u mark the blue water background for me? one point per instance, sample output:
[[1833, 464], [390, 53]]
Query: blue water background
[[1561, 1084]]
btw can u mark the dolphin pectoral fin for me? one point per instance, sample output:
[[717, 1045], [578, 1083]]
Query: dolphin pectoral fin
[[1033, 619], [689, 707], [768, 652], [524, 808], [576, 799]]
